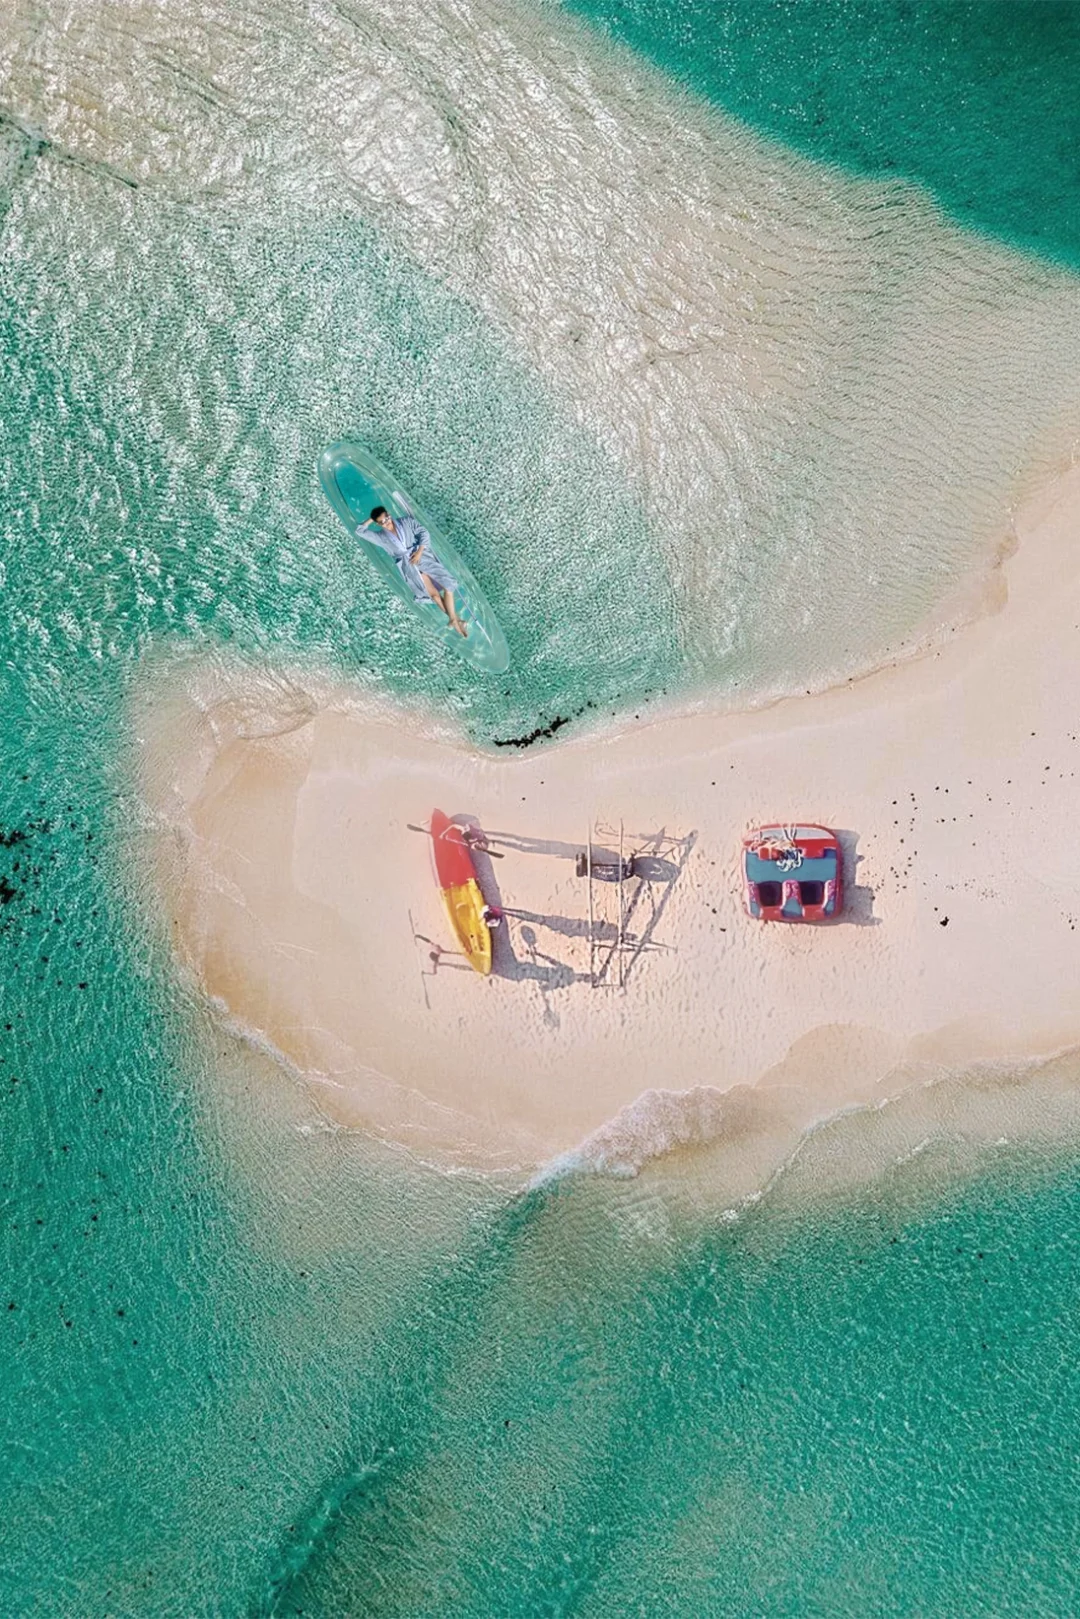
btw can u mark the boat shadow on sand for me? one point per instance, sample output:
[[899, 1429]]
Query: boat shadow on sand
[[521, 960], [649, 864], [526, 947], [858, 901]]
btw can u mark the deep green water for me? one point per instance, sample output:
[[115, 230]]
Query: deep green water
[[251, 1367], [975, 99]]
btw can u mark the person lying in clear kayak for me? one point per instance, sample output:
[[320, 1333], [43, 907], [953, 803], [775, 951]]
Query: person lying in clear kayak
[[408, 543]]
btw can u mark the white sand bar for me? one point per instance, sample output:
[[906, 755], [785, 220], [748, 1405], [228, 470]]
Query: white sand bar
[[304, 904]]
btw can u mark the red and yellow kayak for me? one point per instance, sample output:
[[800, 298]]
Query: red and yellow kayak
[[456, 876]]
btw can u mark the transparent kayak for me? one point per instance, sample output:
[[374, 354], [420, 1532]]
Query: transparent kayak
[[354, 482]]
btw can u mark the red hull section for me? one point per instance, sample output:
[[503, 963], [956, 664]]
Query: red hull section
[[453, 862]]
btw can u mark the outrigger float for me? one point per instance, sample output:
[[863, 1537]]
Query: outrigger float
[[793, 873], [455, 874]]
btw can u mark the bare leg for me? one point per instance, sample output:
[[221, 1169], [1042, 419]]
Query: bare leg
[[452, 613], [445, 599]]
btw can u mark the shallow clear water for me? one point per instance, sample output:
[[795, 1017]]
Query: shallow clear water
[[253, 1366], [875, 1412], [701, 415]]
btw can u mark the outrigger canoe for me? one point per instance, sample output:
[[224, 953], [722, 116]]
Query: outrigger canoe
[[354, 483], [456, 876]]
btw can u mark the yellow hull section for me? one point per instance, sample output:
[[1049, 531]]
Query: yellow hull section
[[464, 906]]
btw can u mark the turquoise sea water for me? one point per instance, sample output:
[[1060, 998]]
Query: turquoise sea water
[[250, 1366], [968, 97]]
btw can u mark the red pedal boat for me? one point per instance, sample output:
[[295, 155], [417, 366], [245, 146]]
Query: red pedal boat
[[793, 873]]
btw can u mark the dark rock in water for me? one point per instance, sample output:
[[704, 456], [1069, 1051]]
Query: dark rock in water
[[543, 731], [534, 736]]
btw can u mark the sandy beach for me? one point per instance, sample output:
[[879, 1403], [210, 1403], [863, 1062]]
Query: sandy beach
[[305, 907]]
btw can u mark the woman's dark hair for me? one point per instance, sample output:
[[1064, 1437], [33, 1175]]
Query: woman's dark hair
[[377, 512]]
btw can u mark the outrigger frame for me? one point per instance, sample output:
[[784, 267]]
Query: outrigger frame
[[620, 927]]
